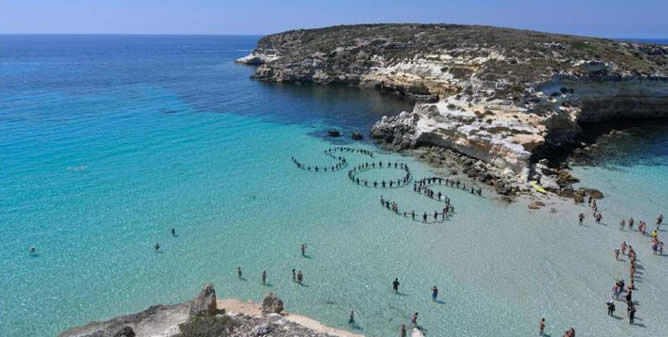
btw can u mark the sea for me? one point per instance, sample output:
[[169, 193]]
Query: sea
[[108, 142]]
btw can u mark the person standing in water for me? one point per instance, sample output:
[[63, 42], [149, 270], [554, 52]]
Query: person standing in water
[[581, 217], [294, 275], [402, 332], [264, 277], [541, 327], [33, 251], [157, 247], [300, 277], [173, 232], [414, 319], [395, 285], [303, 247], [351, 319], [434, 293], [239, 272]]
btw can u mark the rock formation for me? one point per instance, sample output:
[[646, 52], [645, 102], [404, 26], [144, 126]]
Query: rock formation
[[200, 318], [272, 304], [507, 97]]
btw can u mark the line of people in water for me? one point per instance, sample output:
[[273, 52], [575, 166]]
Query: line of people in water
[[443, 214], [331, 150], [341, 164], [454, 183], [620, 287], [390, 183]]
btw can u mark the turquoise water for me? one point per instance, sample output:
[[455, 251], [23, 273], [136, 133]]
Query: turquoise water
[[108, 142]]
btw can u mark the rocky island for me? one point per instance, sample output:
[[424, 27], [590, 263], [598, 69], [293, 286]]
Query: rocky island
[[505, 102]]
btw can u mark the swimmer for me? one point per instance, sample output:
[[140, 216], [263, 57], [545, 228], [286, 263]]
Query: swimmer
[[264, 277], [173, 232], [33, 251], [239, 272], [395, 285], [157, 247]]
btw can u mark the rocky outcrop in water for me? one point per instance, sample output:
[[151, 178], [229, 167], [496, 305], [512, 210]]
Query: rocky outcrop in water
[[504, 96], [198, 317]]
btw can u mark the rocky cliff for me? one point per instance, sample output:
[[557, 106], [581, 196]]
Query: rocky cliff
[[506, 97]]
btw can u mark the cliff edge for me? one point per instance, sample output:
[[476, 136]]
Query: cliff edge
[[506, 97]]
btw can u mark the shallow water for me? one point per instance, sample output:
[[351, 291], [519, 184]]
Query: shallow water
[[107, 143]]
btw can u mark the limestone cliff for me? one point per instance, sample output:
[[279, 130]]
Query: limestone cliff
[[508, 97]]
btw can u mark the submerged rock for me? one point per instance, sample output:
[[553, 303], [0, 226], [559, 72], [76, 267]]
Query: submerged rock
[[334, 133], [357, 135]]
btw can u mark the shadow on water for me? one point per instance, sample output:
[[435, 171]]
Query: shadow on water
[[643, 142]]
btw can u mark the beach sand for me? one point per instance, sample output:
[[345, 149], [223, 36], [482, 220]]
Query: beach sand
[[253, 309]]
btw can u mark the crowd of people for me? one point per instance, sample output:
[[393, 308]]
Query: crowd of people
[[390, 183], [423, 185], [341, 164], [443, 214], [620, 290]]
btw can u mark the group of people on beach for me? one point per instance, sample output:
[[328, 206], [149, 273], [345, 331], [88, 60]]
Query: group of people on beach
[[352, 175]]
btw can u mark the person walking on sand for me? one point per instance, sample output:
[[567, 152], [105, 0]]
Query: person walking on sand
[[434, 293], [541, 327], [351, 319], [395, 285], [239, 272], [264, 277], [402, 332]]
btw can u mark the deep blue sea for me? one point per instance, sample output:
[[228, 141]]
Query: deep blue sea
[[108, 142]]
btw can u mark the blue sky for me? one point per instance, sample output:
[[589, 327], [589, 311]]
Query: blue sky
[[607, 18]]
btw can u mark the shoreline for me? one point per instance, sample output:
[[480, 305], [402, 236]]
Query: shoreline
[[250, 308]]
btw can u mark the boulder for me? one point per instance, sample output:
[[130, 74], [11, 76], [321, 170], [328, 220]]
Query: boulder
[[262, 329], [205, 302], [334, 133], [357, 135], [536, 205], [502, 188], [125, 331], [272, 304], [594, 193]]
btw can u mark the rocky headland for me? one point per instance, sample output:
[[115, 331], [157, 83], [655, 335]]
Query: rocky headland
[[503, 104], [207, 316]]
